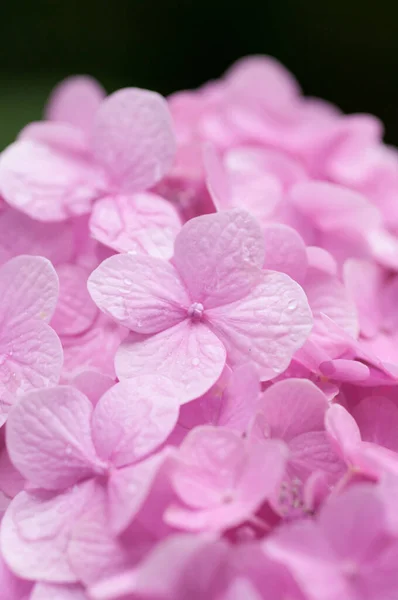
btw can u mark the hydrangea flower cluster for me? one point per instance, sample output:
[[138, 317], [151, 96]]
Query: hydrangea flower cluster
[[199, 347]]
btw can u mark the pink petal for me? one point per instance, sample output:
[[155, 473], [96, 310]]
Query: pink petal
[[92, 384], [240, 398], [143, 293], [343, 430], [303, 549], [133, 418], [29, 289], [58, 136], [188, 354], [44, 591], [293, 407], [49, 437], [35, 532], [312, 451], [93, 551], [75, 311], [363, 281], [167, 570], [128, 489], [75, 100], [285, 251], [377, 419], [133, 138], [19, 234], [327, 296], [216, 256], [30, 357], [139, 223], [333, 207], [267, 326], [94, 349], [45, 184], [11, 586]]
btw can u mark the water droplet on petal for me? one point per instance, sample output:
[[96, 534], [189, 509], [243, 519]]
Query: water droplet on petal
[[292, 305], [195, 362], [127, 282]]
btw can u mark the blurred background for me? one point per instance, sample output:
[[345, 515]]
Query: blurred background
[[343, 50]]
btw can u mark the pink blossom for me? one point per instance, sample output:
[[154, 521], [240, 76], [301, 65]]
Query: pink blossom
[[212, 304], [57, 439], [222, 479]]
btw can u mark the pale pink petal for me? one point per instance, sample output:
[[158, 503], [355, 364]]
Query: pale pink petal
[[333, 207], [266, 327], [142, 293], [320, 259], [29, 289], [49, 437], [19, 234], [45, 184], [363, 281], [293, 407], [75, 311], [133, 138], [188, 354], [11, 480], [312, 451], [30, 357], [303, 549], [93, 384], [58, 136], [75, 101], [217, 255], [343, 430], [328, 296], [285, 251], [133, 418], [240, 398], [216, 178], [35, 532], [139, 223], [94, 349], [45, 591], [93, 551], [168, 569], [129, 487]]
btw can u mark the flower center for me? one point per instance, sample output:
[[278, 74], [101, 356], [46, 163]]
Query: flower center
[[195, 311]]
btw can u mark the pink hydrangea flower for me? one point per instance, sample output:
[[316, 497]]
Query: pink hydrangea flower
[[55, 170], [222, 479], [212, 304], [70, 450]]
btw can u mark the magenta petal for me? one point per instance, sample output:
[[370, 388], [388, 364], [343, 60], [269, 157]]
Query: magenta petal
[[188, 354]]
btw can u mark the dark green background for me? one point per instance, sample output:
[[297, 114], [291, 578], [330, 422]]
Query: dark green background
[[343, 50]]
